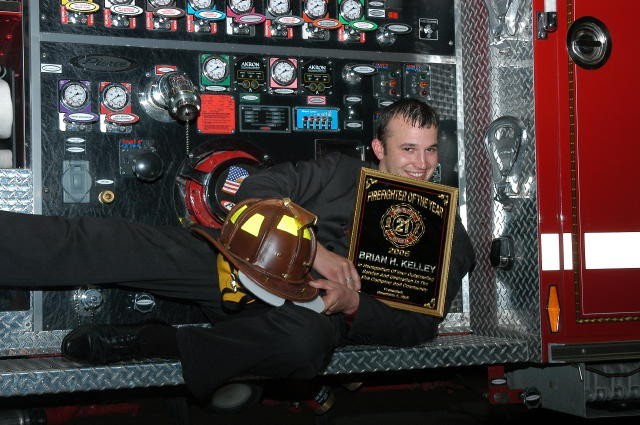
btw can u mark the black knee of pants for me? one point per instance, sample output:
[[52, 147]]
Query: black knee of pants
[[304, 345], [283, 342]]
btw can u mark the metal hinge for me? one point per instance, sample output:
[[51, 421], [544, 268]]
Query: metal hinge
[[547, 22]]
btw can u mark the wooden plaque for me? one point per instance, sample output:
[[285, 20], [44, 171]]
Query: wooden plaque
[[401, 239]]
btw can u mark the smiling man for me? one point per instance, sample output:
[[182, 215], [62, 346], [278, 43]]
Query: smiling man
[[406, 142], [285, 340]]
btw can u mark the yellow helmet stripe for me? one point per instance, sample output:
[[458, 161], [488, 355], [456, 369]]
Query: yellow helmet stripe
[[253, 224], [291, 225], [235, 215]]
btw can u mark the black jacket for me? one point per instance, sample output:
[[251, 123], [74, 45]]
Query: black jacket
[[327, 187], [282, 342]]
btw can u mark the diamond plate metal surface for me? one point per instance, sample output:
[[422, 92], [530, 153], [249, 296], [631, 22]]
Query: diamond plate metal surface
[[16, 195], [57, 375], [498, 80], [444, 351], [13, 321], [50, 375], [16, 190], [26, 342]]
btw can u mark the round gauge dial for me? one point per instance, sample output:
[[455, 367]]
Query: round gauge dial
[[240, 7], [279, 7], [160, 3], [115, 97], [200, 4], [283, 72], [215, 68], [120, 2], [74, 95], [351, 9], [315, 9]]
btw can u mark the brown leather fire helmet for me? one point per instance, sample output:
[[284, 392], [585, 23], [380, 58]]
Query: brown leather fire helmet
[[272, 242]]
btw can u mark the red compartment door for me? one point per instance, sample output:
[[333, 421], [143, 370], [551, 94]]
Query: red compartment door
[[588, 151]]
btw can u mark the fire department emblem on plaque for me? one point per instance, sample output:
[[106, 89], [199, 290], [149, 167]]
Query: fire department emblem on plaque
[[402, 225]]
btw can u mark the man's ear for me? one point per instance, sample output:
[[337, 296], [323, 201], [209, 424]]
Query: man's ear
[[378, 148]]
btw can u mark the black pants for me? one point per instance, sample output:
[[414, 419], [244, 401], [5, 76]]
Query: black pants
[[283, 342]]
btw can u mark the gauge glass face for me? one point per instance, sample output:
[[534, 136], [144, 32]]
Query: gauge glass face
[[351, 9], [161, 3], [120, 2], [279, 7], [315, 9], [241, 6], [215, 68], [74, 95], [283, 72], [115, 97], [200, 4]]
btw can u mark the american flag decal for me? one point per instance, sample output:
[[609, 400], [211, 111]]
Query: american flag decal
[[235, 176]]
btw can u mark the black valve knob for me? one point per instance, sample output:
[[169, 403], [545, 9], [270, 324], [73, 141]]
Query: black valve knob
[[148, 166]]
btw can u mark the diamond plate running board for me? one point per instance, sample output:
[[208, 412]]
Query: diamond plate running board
[[49, 375]]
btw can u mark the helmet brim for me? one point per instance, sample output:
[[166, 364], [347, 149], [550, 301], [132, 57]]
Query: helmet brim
[[315, 304], [300, 292]]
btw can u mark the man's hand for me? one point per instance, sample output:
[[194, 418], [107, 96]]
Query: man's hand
[[338, 298], [336, 268]]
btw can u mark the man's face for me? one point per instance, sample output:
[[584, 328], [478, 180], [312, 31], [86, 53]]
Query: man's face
[[410, 151]]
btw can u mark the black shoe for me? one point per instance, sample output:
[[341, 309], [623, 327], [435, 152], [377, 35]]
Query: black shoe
[[102, 344]]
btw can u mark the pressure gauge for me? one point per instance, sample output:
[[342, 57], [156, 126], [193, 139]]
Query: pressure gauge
[[283, 72], [120, 2], [160, 3], [115, 97], [215, 68], [240, 7], [200, 4], [315, 9], [279, 7], [74, 95], [351, 9]]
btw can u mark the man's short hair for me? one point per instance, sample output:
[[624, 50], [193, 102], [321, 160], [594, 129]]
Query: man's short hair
[[414, 112]]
